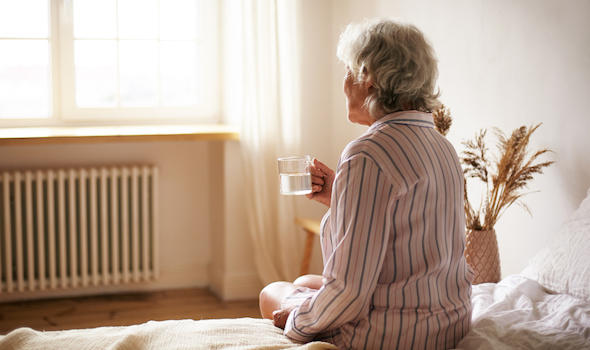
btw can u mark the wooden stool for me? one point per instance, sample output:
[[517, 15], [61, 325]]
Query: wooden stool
[[312, 229]]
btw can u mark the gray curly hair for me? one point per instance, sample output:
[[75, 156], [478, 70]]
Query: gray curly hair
[[398, 60]]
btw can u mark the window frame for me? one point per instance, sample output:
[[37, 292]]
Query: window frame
[[63, 110]]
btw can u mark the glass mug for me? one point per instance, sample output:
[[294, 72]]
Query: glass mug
[[294, 175]]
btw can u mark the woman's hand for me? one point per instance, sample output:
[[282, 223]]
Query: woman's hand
[[322, 179], [279, 317]]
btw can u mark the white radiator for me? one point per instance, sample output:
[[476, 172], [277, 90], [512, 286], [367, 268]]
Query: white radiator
[[74, 228]]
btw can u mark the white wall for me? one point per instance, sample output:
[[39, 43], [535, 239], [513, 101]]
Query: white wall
[[232, 272], [504, 64]]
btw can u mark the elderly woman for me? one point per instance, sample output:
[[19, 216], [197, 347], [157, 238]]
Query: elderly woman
[[394, 273]]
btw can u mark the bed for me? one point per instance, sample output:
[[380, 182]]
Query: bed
[[518, 313], [239, 333], [547, 306]]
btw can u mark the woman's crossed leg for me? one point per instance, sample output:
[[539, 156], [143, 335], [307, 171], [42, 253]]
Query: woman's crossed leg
[[273, 294]]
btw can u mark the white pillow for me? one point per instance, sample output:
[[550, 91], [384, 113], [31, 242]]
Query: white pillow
[[564, 266]]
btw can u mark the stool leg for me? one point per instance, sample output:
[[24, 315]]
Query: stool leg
[[307, 253]]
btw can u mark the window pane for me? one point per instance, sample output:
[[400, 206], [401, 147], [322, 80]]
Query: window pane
[[178, 73], [178, 19], [138, 19], [96, 73], [138, 69], [24, 18], [24, 79], [95, 19]]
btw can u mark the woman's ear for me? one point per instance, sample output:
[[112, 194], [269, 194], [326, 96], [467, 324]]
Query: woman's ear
[[369, 86]]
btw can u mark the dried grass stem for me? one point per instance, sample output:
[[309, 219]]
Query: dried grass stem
[[505, 178]]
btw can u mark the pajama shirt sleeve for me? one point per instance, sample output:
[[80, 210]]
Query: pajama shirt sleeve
[[360, 225]]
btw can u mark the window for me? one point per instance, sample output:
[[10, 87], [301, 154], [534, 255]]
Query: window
[[107, 61], [24, 59]]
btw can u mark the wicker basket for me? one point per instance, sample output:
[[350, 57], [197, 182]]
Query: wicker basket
[[481, 253]]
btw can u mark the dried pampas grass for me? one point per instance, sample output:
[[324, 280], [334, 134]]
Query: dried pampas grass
[[442, 120], [505, 177]]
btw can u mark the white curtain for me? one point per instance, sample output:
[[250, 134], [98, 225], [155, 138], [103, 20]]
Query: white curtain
[[261, 47]]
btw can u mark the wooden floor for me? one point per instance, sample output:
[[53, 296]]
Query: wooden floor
[[120, 310]]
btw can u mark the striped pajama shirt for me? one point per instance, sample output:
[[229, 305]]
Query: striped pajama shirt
[[392, 245]]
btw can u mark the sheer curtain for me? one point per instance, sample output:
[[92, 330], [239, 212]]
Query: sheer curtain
[[261, 43]]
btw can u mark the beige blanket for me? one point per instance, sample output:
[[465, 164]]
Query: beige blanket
[[240, 333]]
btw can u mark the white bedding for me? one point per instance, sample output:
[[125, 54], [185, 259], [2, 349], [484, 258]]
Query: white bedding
[[517, 313], [239, 333]]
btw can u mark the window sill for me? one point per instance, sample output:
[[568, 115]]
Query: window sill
[[127, 133]]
